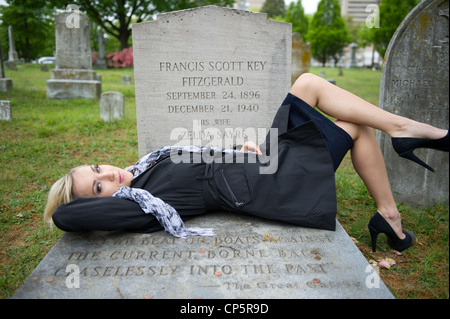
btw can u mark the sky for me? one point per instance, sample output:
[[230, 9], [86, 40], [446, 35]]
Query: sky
[[310, 6]]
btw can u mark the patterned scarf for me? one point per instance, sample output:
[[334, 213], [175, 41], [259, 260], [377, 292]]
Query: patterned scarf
[[166, 215]]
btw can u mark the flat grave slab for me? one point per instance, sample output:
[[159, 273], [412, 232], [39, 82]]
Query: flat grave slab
[[249, 258]]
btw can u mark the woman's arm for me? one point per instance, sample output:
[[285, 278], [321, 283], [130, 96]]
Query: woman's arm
[[104, 213]]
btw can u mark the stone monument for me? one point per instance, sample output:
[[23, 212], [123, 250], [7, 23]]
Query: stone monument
[[5, 110], [415, 84], [12, 53], [205, 75], [249, 258], [5, 84], [112, 106], [73, 76], [223, 68], [301, 56], [101, 61]]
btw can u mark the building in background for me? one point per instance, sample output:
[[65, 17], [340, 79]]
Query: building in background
[[356, 8], [248, 4]]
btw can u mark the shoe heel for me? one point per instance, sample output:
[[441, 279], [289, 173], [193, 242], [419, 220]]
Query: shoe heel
[[410, 155], [373, 235]]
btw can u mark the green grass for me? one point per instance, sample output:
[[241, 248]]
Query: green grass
[[48, 137]]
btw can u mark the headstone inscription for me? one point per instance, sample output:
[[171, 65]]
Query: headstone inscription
[[204, 76], [248, 258], [415, 84], [73, 76]]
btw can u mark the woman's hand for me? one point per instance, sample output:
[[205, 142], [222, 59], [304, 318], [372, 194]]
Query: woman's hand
[[251, 147]]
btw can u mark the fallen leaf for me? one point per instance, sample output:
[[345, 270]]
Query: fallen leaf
[[218, 273], [386, 263], [316, 281], [201, 251], [49, 280], [148, 297], [267, 237]]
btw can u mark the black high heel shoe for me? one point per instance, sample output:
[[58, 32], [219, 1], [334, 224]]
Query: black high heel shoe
[[405, 146], [378, 224]]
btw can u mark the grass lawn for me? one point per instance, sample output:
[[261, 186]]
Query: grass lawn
[[48, 137]]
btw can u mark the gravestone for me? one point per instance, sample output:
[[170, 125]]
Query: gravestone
[[112, 106], [5, 110], [248, 258], [101, 61], [73, 76], [5, 84], [12, 53], [414, 84], [126, 79], [205, 75], [301, 56]]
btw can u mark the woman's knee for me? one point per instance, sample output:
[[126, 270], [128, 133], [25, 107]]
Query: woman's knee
[[305, 88]]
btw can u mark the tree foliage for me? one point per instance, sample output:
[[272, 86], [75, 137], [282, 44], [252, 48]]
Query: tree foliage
[[295, 14], [274, 8], [117, 16], [328, 32], [32, 25], [392, 13]]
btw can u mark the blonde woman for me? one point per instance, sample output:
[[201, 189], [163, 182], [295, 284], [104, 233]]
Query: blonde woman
[[159, 193]]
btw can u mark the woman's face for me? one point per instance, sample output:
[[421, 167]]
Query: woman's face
[[99, 180]]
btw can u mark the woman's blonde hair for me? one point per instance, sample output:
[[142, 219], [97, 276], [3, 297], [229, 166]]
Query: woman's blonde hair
[[60, 193]]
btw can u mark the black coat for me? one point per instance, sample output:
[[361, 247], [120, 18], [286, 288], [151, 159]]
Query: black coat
[[301, 191]]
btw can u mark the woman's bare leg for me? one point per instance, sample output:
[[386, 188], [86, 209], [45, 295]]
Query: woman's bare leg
[[358, 118], [368, 162], [348, 107]]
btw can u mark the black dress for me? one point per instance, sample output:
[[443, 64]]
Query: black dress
[[301, 190]]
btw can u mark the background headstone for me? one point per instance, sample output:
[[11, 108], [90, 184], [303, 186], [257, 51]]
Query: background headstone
[[112, 106], [101, 61], [301, 56], [73, 76], [5, 84], [12, 53], [200, 74], [126, 79], [249, 258], [415, 84], [5, 110]]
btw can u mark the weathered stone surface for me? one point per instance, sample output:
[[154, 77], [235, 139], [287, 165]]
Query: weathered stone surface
[[112, 105], [5, 85], [415, 84], [248, 258], [301, 56], [5, 110], [201, 74], [72, 89], [73, 76]]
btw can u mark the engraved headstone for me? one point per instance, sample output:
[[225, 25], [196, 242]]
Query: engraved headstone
[[73, 76], [301, 56], [415, 84], [205, 75], [248, 258]]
